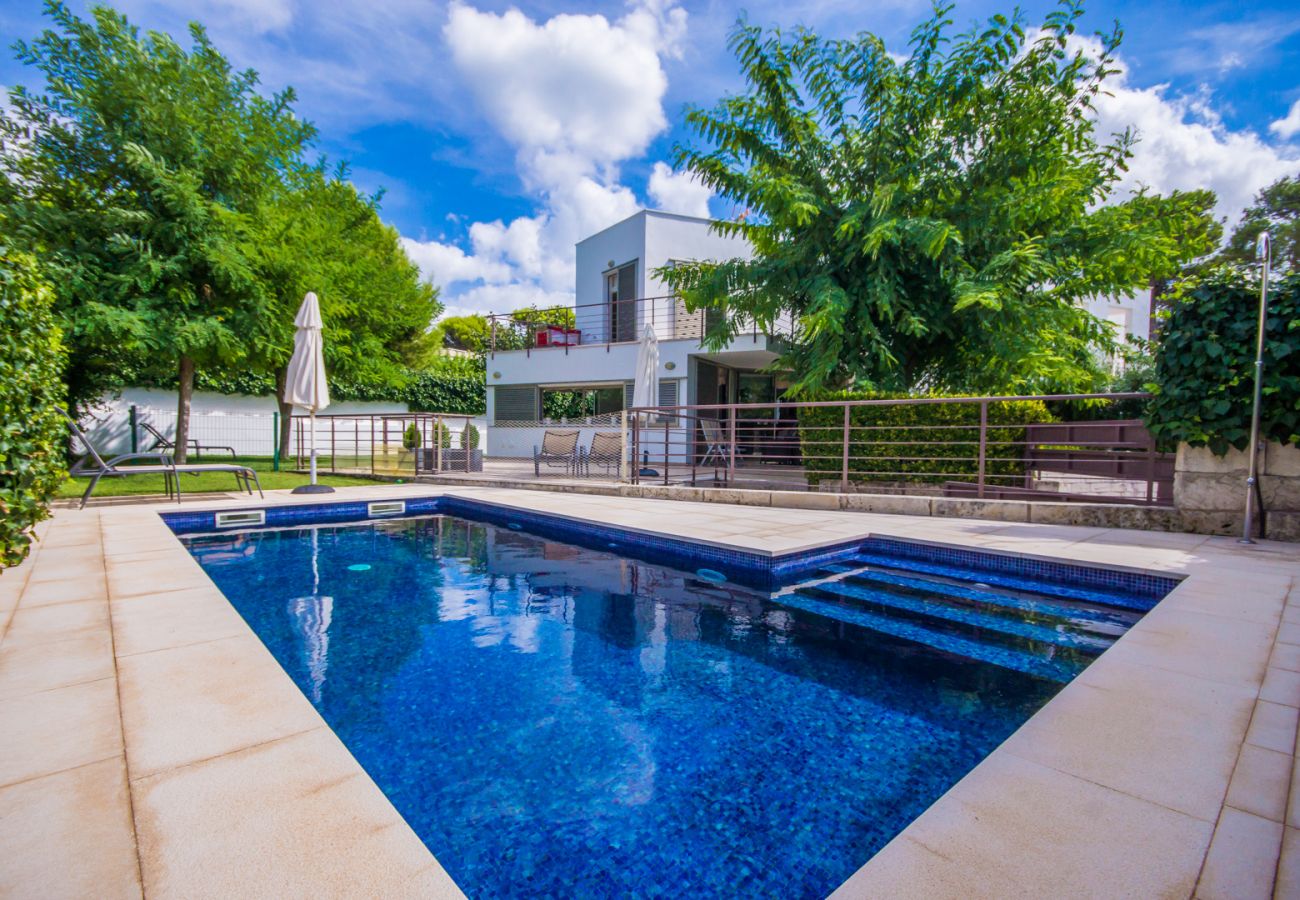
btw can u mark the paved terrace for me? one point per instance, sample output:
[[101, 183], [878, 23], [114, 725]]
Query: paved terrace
[[149, 743]]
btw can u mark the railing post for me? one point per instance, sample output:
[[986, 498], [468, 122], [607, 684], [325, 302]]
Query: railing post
[[492, 318], [731, 455], [437, 441], [984, 438], [622, 446], [135, 438], [665, 452], [636, 448], [275, 441], [372, 444], [844, 451], [334, 461]]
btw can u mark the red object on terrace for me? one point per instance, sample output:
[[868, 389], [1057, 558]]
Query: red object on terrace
[[558, 336]]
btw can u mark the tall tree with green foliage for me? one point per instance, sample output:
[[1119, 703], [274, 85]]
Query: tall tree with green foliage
[[134, 176], [931, 222], [1276, 208], [320, 234]]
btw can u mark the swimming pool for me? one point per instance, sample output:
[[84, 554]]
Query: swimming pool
[[563, 720]]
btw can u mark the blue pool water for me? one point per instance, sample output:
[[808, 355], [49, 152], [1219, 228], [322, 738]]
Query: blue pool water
[[559, 721]]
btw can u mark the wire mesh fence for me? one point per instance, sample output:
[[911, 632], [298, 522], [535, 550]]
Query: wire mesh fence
[[213, 435]]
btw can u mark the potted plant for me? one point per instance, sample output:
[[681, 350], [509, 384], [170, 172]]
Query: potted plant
[[455, 460]]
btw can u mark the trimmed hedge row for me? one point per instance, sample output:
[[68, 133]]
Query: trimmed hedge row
[[1205, 364], [32, 433], [940, 441]]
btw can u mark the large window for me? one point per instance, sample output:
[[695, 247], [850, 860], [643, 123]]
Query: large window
[[581, 401]]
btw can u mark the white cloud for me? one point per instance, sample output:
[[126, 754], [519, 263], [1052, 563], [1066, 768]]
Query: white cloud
[[1183, 143], [1288, 126], [575, 96], [678, 192]]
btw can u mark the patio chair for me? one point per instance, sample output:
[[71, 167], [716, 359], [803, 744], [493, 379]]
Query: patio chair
[[559, 448], [606, 451], [162, 442], [717, 449], [93, 466]]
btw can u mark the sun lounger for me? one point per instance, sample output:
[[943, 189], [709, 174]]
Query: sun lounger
[[162, 442], [93, 466]]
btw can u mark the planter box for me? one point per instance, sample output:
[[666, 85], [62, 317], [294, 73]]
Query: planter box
[[453, 460]]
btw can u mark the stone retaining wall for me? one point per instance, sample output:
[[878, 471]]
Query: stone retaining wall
[[1210, 491]]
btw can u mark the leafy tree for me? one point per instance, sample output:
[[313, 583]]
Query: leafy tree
[[321, 235], [514, 332], [932, 222], [1277, 208], [134, 177]]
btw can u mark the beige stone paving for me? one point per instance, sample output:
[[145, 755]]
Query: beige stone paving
[[150, 744]]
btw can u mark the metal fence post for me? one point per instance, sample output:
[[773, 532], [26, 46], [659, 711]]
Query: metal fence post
[[731, 453], [372, 445], [135, 439], [275, 441], [622, 446], [984, 439], [665, 451], [437, 441], [844, 453]]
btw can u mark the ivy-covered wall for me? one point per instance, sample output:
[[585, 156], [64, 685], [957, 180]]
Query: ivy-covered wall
[[1205, 364], [938, 441], [32, 433]]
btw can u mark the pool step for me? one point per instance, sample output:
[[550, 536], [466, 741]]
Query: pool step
[[1060, 668], [1113, 599], [1006, 601], [936, 612]]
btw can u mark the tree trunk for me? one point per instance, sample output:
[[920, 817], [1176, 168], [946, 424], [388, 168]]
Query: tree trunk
[[185, 393], [286, 413]]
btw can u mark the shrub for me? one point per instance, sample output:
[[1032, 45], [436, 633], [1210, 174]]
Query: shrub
[[469, 437], [32, 433], [940, 441], [411, 437], [1205, 365]]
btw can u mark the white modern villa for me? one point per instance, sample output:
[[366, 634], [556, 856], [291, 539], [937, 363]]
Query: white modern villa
[[616, 294]]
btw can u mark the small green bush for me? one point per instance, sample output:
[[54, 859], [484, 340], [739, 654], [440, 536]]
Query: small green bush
[[1205, 364], [32, 433], [925, 433], [469, 437], [411, 437]]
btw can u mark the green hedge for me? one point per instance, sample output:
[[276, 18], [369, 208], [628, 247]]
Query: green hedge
[[32, 433], [1205, 364], [894, 432]]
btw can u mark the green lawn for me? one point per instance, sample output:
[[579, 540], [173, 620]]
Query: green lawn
[[191, 484]]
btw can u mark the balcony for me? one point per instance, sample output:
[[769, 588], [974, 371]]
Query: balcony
[[610, 323]]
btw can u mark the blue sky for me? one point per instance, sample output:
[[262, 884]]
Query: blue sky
[[503, 133]]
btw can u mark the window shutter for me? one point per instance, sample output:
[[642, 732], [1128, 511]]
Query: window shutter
[[515, 403], [629, 388], [668, 397]]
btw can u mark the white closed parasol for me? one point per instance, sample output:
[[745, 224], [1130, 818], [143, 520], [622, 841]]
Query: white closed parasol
[[304, 383]]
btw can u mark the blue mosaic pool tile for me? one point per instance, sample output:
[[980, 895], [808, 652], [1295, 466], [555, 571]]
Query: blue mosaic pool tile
[[750, 568]]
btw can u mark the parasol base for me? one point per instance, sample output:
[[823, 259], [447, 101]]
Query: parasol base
[[312, 489]]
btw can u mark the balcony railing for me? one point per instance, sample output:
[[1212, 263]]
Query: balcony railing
[[611, 322]]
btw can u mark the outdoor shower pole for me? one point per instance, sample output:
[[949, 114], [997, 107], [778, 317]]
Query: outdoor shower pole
[[1263, 252]]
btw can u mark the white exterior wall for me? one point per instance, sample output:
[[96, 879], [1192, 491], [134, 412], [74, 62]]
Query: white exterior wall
[[239, 421], [1131, 313]]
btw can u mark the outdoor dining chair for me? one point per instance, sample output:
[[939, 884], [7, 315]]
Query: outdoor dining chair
[[93, 466], [559, 448], [606, 451], [716, 447], [162, 442]]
